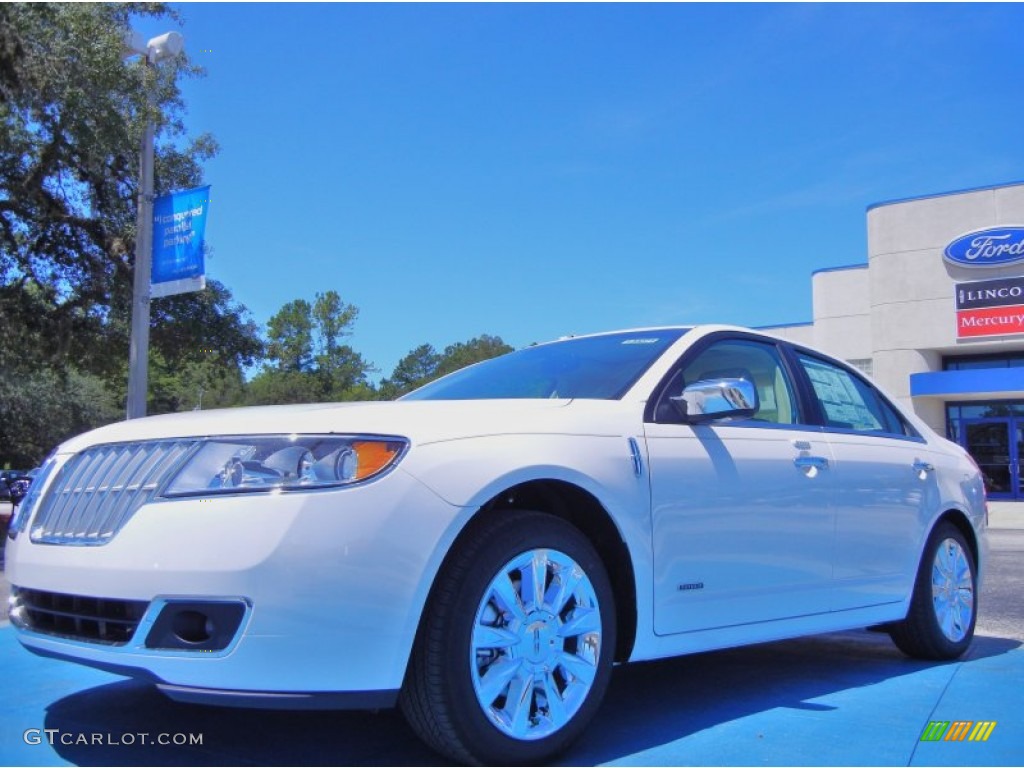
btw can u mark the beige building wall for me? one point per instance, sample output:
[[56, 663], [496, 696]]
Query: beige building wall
[[895, 316]]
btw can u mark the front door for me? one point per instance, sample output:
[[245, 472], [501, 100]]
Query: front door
[[996, 445], [742, 533], [742, 512]]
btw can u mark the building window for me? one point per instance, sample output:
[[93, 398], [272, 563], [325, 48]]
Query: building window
[[978, 362], [957, 413], [863, 365]]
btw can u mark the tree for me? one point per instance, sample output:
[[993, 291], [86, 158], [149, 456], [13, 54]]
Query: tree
[[423, 364], [290, 337], [196, 385], [334, 372], [273, 386], [342, 370], [72, 112], [206, 325], [41, 408], [414, 370], [333, 319], [477, 349]]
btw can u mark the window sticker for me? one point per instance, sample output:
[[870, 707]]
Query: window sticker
[[843, 404]]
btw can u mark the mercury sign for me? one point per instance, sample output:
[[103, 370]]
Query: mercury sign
[[994, 247], [990, 308], [179, 229]]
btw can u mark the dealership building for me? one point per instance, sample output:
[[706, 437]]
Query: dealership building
[[936, 317]]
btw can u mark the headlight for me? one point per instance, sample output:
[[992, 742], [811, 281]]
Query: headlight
[[285, 462]]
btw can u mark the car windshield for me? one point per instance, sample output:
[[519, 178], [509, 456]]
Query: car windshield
[[597, 367]]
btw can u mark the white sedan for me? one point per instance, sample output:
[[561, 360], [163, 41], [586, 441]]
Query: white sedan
[[484, 550]]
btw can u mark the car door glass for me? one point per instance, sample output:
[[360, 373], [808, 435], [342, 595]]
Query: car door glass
[[756, 362], [849, 402]]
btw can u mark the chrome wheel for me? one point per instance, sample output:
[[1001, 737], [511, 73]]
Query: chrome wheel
[[952, 590], [536, 644], [944, 603], [516, 645]]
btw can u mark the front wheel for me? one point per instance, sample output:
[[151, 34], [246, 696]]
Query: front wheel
[[944, 604], [515, 650]]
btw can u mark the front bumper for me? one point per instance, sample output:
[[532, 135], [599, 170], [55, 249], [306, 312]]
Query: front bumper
[[330, 586]]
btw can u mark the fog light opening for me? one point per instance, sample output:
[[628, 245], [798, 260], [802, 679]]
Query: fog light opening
[[193, 627]]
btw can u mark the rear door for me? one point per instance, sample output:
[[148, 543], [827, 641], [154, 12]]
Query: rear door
[[885, 486]]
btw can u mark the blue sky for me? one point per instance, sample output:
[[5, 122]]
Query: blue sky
[[536, 170]]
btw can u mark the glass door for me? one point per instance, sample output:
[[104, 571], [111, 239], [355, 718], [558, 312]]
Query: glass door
[[996, 446]]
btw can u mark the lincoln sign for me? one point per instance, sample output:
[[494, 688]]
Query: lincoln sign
[[990, 308]]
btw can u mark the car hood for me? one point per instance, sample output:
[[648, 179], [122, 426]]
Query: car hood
[[421, 421]]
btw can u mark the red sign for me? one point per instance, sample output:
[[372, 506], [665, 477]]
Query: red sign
[[990, 321]]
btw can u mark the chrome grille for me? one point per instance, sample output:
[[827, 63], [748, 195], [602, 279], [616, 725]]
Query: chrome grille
[[99, 489]]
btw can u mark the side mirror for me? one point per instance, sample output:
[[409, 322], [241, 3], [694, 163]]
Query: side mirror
[[717, 399]]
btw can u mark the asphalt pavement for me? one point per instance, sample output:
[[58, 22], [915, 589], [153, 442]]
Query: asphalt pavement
[[841, 699]]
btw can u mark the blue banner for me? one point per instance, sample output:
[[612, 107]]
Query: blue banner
[[179, 231]]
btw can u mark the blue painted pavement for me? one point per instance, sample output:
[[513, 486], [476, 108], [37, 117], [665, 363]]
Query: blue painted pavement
[[843, 699]]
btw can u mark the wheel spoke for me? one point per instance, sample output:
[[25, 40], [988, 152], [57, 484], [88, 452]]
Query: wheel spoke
[[965, 596], [948, 621], [505, 591], [556, 707], [964, 601], [493, 637], [496, 679], [535, 581], [519, 704], [962, 574], [562, 589], [582, 621], [579, 668]]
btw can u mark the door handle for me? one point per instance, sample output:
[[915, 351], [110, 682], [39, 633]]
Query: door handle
[[922, 468], [811, 464]]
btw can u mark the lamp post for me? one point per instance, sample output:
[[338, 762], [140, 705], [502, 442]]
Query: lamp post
[[162, 47]]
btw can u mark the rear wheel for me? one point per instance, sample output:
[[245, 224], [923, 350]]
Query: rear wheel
[[515, 650], [944, 605]]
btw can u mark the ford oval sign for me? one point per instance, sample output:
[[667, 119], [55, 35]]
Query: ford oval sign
[[994, 247]]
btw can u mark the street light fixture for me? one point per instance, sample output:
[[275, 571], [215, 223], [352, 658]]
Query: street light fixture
[[165, 46]]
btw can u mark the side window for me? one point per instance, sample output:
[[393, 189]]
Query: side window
[[735, 359], [849, 402]]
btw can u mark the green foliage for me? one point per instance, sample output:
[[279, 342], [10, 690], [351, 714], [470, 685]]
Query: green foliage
[[310, 362], [204, 326], [461, 354], [290, 337], [423, 364], [274, 386], [71, 118], [41, 408], [196, 385], [72, 113], [414, 370]]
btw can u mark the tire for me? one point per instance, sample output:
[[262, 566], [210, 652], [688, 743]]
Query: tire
[[540, 669], [944, 604]]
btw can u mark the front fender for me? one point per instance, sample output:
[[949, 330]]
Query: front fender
[[468, 473]]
